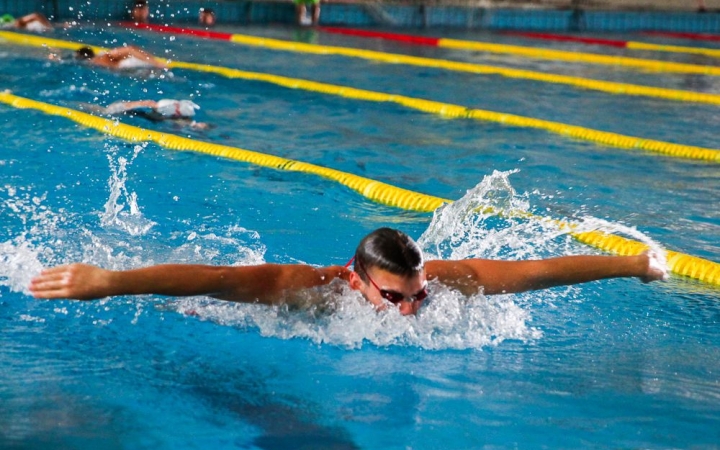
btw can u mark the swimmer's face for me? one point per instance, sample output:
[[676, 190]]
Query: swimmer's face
[[207, 19], [141, 14], [407, 287]]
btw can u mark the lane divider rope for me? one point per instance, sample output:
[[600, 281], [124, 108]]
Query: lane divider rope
[[678, 263], [428, 106], [394, 58], [374, 190], [692, 36], [631, 45], [462, 112]]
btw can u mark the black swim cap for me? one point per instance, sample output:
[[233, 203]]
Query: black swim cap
[[390, 250], [84, 53]]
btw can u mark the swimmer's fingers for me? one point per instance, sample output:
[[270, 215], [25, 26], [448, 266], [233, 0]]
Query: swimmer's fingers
[[51, 283], [656, 267], [76, 281]]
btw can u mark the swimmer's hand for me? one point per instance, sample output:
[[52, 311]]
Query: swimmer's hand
[[75, 281], [199, 125], [655, 267]]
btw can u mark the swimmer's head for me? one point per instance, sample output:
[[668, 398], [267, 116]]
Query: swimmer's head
[[389, 268], [176, 108], [6, 18], [390, 250], [207, 17], [140, 11], [84, 53]]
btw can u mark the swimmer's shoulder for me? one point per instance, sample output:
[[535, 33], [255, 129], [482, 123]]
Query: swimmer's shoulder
[[330, 283], [330, 273], [466, 275], [439, 268]]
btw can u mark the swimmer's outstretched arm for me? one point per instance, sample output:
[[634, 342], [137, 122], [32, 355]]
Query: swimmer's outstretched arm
[[120, 53], [265, 283], [121, 106], [501, 277], [32, 17]]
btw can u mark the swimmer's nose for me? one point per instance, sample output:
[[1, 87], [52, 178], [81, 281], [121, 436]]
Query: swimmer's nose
[[406, 308]]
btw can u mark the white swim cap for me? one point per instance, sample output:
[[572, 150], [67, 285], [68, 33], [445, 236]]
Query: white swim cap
[[176, 108], [36, 26]]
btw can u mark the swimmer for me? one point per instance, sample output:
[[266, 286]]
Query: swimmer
[[389, 271], [206, 17], [179, 111], [300, 11], [140, 12], [35, 22], [129, 57]]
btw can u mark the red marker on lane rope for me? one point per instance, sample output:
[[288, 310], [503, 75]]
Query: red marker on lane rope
[[179, 30], [566, 38]]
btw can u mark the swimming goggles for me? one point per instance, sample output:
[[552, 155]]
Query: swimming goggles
[[393, 296]]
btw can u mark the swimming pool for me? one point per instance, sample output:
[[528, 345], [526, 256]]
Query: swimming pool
[[610, 364]]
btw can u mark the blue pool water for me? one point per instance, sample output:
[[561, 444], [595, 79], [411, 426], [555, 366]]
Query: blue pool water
[[613, 364]]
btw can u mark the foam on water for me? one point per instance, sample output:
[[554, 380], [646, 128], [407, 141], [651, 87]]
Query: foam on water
[[448, 321]]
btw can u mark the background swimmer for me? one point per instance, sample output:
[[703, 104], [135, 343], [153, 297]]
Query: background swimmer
[[206, 17], [35, 22], [129, 57], [179, 111], [140, 12]]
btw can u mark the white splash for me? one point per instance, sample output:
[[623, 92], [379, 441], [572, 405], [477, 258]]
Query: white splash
[[236, 245], [449, 320], [589, 223], [20, 256], [491, 221], [115, 215], [19, 262]]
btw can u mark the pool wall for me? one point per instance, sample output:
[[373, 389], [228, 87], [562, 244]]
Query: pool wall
[[376, 14]]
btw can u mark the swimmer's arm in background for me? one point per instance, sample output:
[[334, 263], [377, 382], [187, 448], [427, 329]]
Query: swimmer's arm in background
[[120, 53], [33, 17], [503, 277], [121, 107], [265, 283]]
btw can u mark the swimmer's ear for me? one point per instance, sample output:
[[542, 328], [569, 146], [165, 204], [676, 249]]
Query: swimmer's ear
[[355, 281]]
